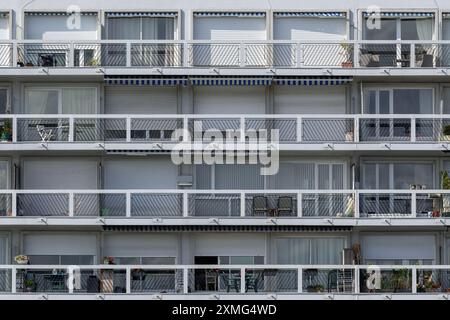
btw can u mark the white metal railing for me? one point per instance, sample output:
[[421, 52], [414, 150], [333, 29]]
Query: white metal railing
[[223, 279], [248, 54], [323, 128], [246, 204]]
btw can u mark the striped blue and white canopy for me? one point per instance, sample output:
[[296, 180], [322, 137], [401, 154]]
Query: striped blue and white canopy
[[144, 81], [401, 14], [58, 13], [229, 14], [141, 14], [310, 14], [231, 81], [312, 81]]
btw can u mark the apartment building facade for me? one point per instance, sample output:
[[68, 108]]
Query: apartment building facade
[[93, 205]]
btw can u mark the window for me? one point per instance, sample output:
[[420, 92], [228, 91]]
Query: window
[[236, 260], [4, 174], [3, 249], [4, 108], [310, 250], [144, 260], [61, 259], [398, 175], [73, 100], [398, 101], [141, 28], [400, 29]]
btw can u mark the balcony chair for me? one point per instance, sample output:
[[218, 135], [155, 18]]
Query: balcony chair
[[260, 205], [230, 280], [285, 206]]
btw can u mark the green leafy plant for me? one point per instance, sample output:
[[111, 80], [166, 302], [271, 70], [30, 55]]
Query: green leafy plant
[[446, 130], [29, 283], [445, 180], [6, 131]]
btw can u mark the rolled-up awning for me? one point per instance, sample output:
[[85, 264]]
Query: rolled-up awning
[[229, 14], [59, 13], [401, 14], [144, 81], [141, 14], [231, 81], [311, 14], [312, 81]]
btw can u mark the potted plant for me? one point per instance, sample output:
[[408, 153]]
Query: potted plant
[[6, 131], [346, 52], [107, 276], [445, 184], [94, 62], [21, 259], [445, 133], [30, 285]]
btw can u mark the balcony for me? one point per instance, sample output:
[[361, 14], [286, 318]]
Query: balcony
[[344, 130], [222, 281], [226, 207], [359, 54]]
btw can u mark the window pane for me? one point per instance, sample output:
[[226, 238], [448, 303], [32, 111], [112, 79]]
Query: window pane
[[446, 98], [41, 101], [324, 176], [384, 176], [157, 28], [78, 100], [127, 260], [43, 259], [241, 260], [385, 102], [370, 102], [3, 100], [77, 260], [293, 251], [239, 176], [3, 249], [417, 29], [338, 176], [326, 250], [388, 30], [369, 175], [407, 174], [3, 174], [418, 101], [293, 176], [124, 29], [158, 260]]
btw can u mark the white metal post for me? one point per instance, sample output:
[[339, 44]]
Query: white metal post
[[299, 55], [299, 129], [300, 280], [299, 205], [15, 54], [242, 54], [14, 204], [128, 204], [128, 280], [413, 129], [185, 280], [355, 55], [242, 204], [357, 274], [356, 129], [128, 129], [185, 204], [242, 280], [356, 207], [71, 56], [128, 54], [71, 204], [414, 204], [14, 129], [70, 279], [412, 54], [414, 279], [13, 280], [71, 129]]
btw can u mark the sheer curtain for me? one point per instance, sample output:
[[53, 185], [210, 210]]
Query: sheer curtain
[[124, 28], [41, 101], [158, 28], [424, 29], [327, 250], [293, 251], [78, 100]]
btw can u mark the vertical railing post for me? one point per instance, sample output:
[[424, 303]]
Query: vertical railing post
[[242, 129], [128, 280], [185, 129], [413, 204], [13, 204], [414, 279], [242, 55], [356, 207], [356, 55], [128, 204], [299, 52], [185, 62], [185, 204], [412, 54], [299, 205], [242, 280], [71, 137], [357, 274], [15, 54], [70, 279], [128, 129], [413, 129], [242, 207], [356, 128], [13, 279], [299, 129], [71, 57], [398, 50], [185, 280], [14, 129], [300, 280], [128, 54], [71, 204]]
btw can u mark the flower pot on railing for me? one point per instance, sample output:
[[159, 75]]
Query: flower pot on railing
[[21, 259], [347, 64], [349, 136], [445, 136]]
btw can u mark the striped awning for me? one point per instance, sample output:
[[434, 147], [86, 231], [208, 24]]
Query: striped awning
[[231, 81], [141, 14], [58, 13], [312, 81], [229, 14], [144, 81], [311, 14], [236, 228], [402, 14]]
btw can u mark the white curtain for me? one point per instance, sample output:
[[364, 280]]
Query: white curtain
[[327, 250], [293, 251], [238, 176], [78, 100], [293, 176], [158, 28], [38, 101], [124, 28], [424, 29]]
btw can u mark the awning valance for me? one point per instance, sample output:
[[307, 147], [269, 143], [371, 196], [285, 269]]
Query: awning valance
[[312, 81], [144, 81], [141, 14], [59, 13], [231, 81], [401, 14], [311, 14], [205, 228], [229, 14], [446, 15]]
